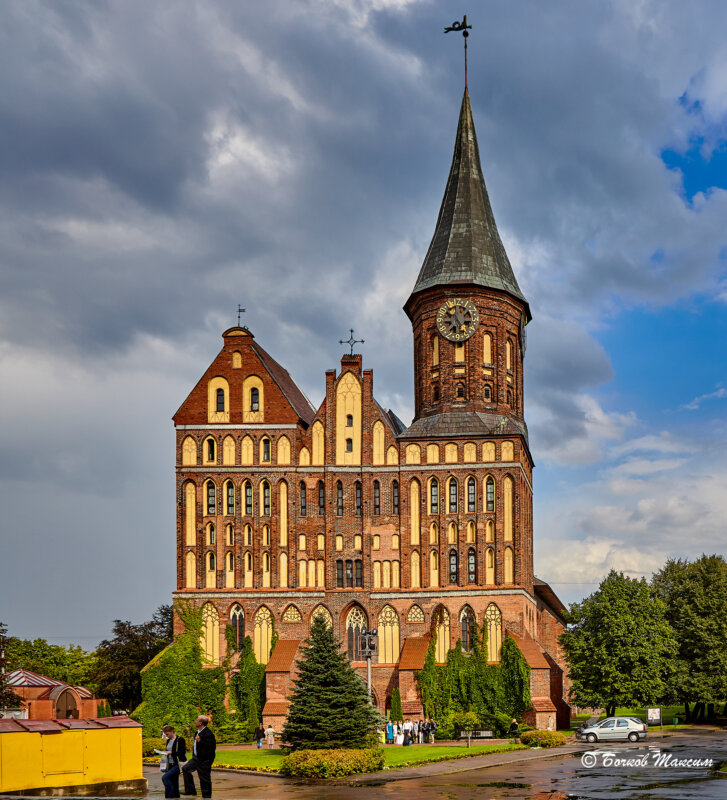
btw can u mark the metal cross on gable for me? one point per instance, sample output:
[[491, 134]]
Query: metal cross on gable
[[240, 310], [351, 341]]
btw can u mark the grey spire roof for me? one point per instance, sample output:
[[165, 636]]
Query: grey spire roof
[[466, 247]]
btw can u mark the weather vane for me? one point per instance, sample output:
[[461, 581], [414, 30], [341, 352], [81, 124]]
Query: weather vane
[[463, 27], [351, 341], [240, 310]]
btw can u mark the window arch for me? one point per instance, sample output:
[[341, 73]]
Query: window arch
[[441, 631], [317, 437], [432, 454], [248, 567], [392, 455], [321, 498], [292, 614], [190, 571], [303, 498], [460, 391], [416, 570], [237, 360], [471, 566], [229, 536], [263, 635], [218, 406], [190, 513], [377, 498], [489, 493], [210, 450], [210, 639], [321, 541], [211, 498], [379, 443], [283, 513], [493, 625], [487, 348], [450, 453], [302, 573], [339, 498], [435, 350], [507, 508], [304, 457], [246, 450], [228, 451], [395, 497], [388, 630], [265, 450], [508, 354], [413, 454], [283, 570], [189, 452], [237, 620], [415, 614], [355, 625], [247, 491], [253, 399], [471, 532], [283, 456], [488, 393], [508, 570], [320, 573], [490, 566], [468, 628], [267, 569], [229, 498], [220, 400], [434, 534], [265, 499], [453, 567], [359, 499], [452, 533], [414, 511], [433, 496], [210, 538], [434, 568], [452, 492], [469, 452], [471, 495], [324, 613]]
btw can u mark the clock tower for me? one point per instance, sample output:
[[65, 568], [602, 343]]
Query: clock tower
[[467, 311]]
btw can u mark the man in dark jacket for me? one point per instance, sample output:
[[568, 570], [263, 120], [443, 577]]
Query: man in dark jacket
[[203, 751]]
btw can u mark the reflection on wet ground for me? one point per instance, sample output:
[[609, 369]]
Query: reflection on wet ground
[[564, 778]]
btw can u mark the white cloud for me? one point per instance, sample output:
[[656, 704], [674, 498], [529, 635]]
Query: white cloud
[[718, 394]]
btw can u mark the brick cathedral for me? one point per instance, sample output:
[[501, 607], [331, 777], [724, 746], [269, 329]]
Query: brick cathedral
[[286, 512]]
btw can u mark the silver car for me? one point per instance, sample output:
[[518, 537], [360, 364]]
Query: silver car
[[613, 729]]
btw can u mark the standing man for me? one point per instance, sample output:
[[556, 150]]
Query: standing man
[[203, 751]]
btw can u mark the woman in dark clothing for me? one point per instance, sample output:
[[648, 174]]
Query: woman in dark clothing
[[259, 735], [176, 755], [514, 729]]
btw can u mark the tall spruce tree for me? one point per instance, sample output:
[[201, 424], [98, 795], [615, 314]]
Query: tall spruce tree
[[329, 705]]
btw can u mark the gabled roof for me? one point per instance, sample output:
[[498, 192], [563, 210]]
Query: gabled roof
[[414, 652], [301, 404], [466, 247], [549, 597], [531, 650], [283, 656], [24, 677]]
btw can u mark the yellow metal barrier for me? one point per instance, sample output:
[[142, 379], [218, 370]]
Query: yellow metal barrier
[[74, 756]]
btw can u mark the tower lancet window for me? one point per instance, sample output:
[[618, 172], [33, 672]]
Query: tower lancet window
[[459, 352], [435, 350]]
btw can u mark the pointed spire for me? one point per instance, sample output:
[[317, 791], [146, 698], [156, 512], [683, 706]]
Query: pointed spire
[[466, 247]]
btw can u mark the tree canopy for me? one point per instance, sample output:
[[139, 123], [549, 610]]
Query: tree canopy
[[619, 647], [330, 706]]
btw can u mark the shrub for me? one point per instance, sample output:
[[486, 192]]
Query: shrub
[[332, 763], [543, 738], [149, 744]]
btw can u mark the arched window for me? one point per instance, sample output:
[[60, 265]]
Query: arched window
[[416, 570], [237, 360], [303, 499], [263, 635], [508, 508], [321, 541], [388, 630], [283, 570], [211, 562], [190, 572], [490, 567], [189, 452], [394, 541], [415, 614], [453, 567], [339, 542], [358, 573], [434, 533], [508, 354], [228, 451], [349, 445], [396, 574], [440, 619], [248, 568], [490, 494], [220, 400], [211, 450], [460, 391], [488, 393], [414, 511], [470, 532], [230, 571], [508, 570], [435, 394], [434, 496], [210, 639], [349, 574], [379, 443], [452, 533], [248, 498], [471, 566], [301, 541], [471, 495], [509, 397], [248, 535], [487, 348], [349, 420], [255, 400], [246, 451], [493, 625], [230, 536], [267, 569], [452, 495], [211, 498], [339, 498], [357, 541], [292, 614], [230, 498], [237, 620], [468, 628], [434, 568], [339, 574], [266, 535], [265, 449], [376, 542], [265, 487], [359, 501], [435, 350], [324, 613], [321, 498], [210, 534], [302, 574], [355, 625], [283, 450], [395, 497], [377, 497]]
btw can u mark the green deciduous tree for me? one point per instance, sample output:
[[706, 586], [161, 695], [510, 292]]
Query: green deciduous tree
[[247, 687], [695, 597], [71, 664], [619, 647], [329, 706], [8, 698], [119, 660]]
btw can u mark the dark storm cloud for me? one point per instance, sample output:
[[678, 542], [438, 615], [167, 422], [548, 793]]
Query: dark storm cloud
[[161, 162]]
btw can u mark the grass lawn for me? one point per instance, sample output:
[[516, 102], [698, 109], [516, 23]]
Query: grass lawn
[[395, 756]]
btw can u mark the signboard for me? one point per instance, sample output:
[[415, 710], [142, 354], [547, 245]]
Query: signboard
[[653, 716]]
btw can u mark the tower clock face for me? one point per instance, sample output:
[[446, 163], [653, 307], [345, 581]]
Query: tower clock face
[[457, 319]]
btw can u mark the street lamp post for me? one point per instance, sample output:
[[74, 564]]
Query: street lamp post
[[368, 648]]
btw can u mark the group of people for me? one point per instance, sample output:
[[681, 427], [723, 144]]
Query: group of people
[[261, 734], [174, 760], [407, 733]]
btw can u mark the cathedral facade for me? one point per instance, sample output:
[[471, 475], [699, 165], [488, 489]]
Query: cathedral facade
[[286, 512]]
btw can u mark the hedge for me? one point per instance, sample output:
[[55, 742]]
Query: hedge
[[332, 763], [542, 738]]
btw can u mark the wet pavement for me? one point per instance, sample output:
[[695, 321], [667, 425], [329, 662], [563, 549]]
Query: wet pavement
[[643, 771]]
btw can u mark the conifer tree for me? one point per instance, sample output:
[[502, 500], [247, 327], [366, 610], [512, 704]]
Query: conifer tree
[[395, 712], [329, 706]]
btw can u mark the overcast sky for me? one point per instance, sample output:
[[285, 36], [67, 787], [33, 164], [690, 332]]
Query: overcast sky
[[162, 162]]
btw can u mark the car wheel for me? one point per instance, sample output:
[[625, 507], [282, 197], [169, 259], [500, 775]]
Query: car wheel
[[633, 737], [591, 738]]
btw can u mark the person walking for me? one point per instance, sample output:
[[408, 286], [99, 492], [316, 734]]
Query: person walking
[[203, 755], [514, 730], [259, 735], [432, 730], [270, 733], [172, 757]]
